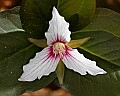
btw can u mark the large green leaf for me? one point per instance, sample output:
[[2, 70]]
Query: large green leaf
[[10, 21], [15, 51], [105, 20], [78, 12], [104, 48], [102, 44], [35, 14], [101, 85]]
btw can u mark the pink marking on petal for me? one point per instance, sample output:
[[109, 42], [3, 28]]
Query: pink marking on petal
[[67, 49], [69, 55], [52, 54], [59, 39]]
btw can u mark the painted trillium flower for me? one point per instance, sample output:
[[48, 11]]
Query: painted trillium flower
[[46, 61]]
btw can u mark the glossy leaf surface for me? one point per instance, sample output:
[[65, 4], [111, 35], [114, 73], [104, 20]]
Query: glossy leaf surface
[[103, 47], [10, 21], [15, 51], [35, 14], [77, 12]]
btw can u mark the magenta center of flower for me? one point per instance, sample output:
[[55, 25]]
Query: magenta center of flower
[[59, 48]]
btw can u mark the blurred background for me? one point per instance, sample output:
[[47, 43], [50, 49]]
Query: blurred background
[[8, 4], [111, 4]]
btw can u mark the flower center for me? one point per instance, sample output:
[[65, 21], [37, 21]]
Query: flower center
[[59, 48]]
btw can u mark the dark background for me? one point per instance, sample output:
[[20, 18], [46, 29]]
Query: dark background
[[111, 4]]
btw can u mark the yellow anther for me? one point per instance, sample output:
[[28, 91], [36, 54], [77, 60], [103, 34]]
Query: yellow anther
[[59, 48]]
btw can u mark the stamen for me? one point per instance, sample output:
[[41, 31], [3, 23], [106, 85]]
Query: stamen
[[59, 48]]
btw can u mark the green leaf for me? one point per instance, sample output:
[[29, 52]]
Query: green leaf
[[104, 48], [42, 43], [101, 85], [78, 12], [105, 20], [10, 21], [15, 51], [35, 15], [102, 44]]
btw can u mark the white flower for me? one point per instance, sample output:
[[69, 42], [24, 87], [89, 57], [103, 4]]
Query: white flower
[[46, 61]]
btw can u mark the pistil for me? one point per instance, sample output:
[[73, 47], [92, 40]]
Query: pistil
[[59, 48]]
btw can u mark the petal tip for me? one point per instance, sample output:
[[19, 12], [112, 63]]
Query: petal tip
[[55, 13], [98, 73], [54, 9], [104, 72], [20, 79]]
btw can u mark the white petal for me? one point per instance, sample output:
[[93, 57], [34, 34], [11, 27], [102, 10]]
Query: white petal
[[58, 29], [76, 61], [42, 64]]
